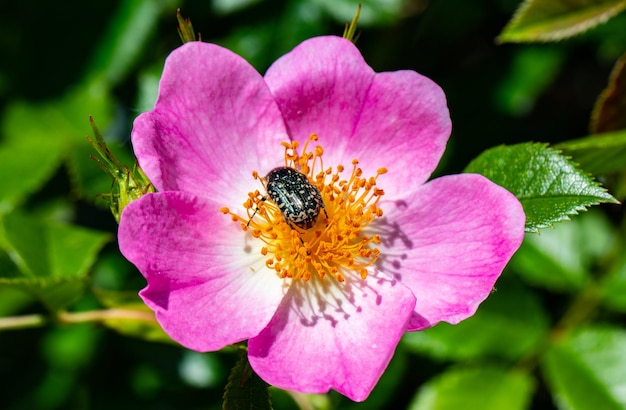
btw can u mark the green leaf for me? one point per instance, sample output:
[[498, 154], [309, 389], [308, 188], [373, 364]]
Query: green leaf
[[13, 301], [141, 324], [70, 347], [609, 112], [54, 293], [532, 70], [613, 287], [561, 259], [127, 37], [245, 390], [64, 121], [60, 126], [509, 324], [549, 186], [586, 371], [598, 154], [225, 7], [34, 162], [53, 259], [551, 20], [373, 12], [486, 388]]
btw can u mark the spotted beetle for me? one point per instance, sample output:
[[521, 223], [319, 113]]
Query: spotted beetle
[[298, 199]]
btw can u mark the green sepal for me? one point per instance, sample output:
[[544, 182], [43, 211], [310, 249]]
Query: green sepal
[[550, 187], [128, 184], [185, 28], [350, 30]]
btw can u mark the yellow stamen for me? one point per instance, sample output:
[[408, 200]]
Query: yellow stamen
[[335, 245]]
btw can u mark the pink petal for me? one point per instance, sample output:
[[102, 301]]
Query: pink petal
[[214, 122], [448, 242], [199, 268], [385, 120], [327, 335]]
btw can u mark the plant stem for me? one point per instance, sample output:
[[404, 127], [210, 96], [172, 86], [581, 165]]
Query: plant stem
[[106, 314], [22, 322], [28, 321]]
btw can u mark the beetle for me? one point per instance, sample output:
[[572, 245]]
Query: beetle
[[297, 198]]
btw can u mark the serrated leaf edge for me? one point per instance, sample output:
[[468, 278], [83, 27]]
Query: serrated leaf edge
[[562, 34]]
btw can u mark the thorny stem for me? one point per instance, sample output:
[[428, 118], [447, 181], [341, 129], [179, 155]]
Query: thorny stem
[[30, 321]]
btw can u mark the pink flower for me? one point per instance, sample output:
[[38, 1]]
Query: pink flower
[[324, 307]]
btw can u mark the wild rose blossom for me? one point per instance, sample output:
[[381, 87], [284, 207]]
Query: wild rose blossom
[[324, 307]]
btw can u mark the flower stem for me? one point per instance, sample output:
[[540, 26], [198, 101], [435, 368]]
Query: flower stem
[[22, 322], [28, 321]]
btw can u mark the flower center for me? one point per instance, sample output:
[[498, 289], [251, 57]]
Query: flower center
[[336, 242]]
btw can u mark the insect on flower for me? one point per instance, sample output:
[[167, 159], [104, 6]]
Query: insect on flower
[[297, 198], [331, 299]]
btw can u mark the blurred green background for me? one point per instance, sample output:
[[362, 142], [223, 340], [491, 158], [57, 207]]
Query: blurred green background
[[63, 62]]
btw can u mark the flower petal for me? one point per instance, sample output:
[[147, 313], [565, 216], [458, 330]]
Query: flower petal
[[404, 126], [448, 242], [325, 87], [214, 122], [333, 336], [200, 270]]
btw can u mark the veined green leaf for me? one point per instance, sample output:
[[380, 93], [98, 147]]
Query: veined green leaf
[[245, 390], [54, 293], [551, 20], [550, 187], [509, 324], [373, 12], [63, 121], [53, 259], [562, 259], [485, 388], [127, 36], [613, 286], [598, 154], [34, 162], [586, 371]]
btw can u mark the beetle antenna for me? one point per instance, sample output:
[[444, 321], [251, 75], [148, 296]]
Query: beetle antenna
[[255, 211]]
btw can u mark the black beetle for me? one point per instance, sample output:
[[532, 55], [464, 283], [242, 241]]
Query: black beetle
[[298, 199]]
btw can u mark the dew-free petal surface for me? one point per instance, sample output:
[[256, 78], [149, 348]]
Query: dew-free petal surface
[[397, 120], [214, 122], [198, 265], [327, 335], [448, 242]]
